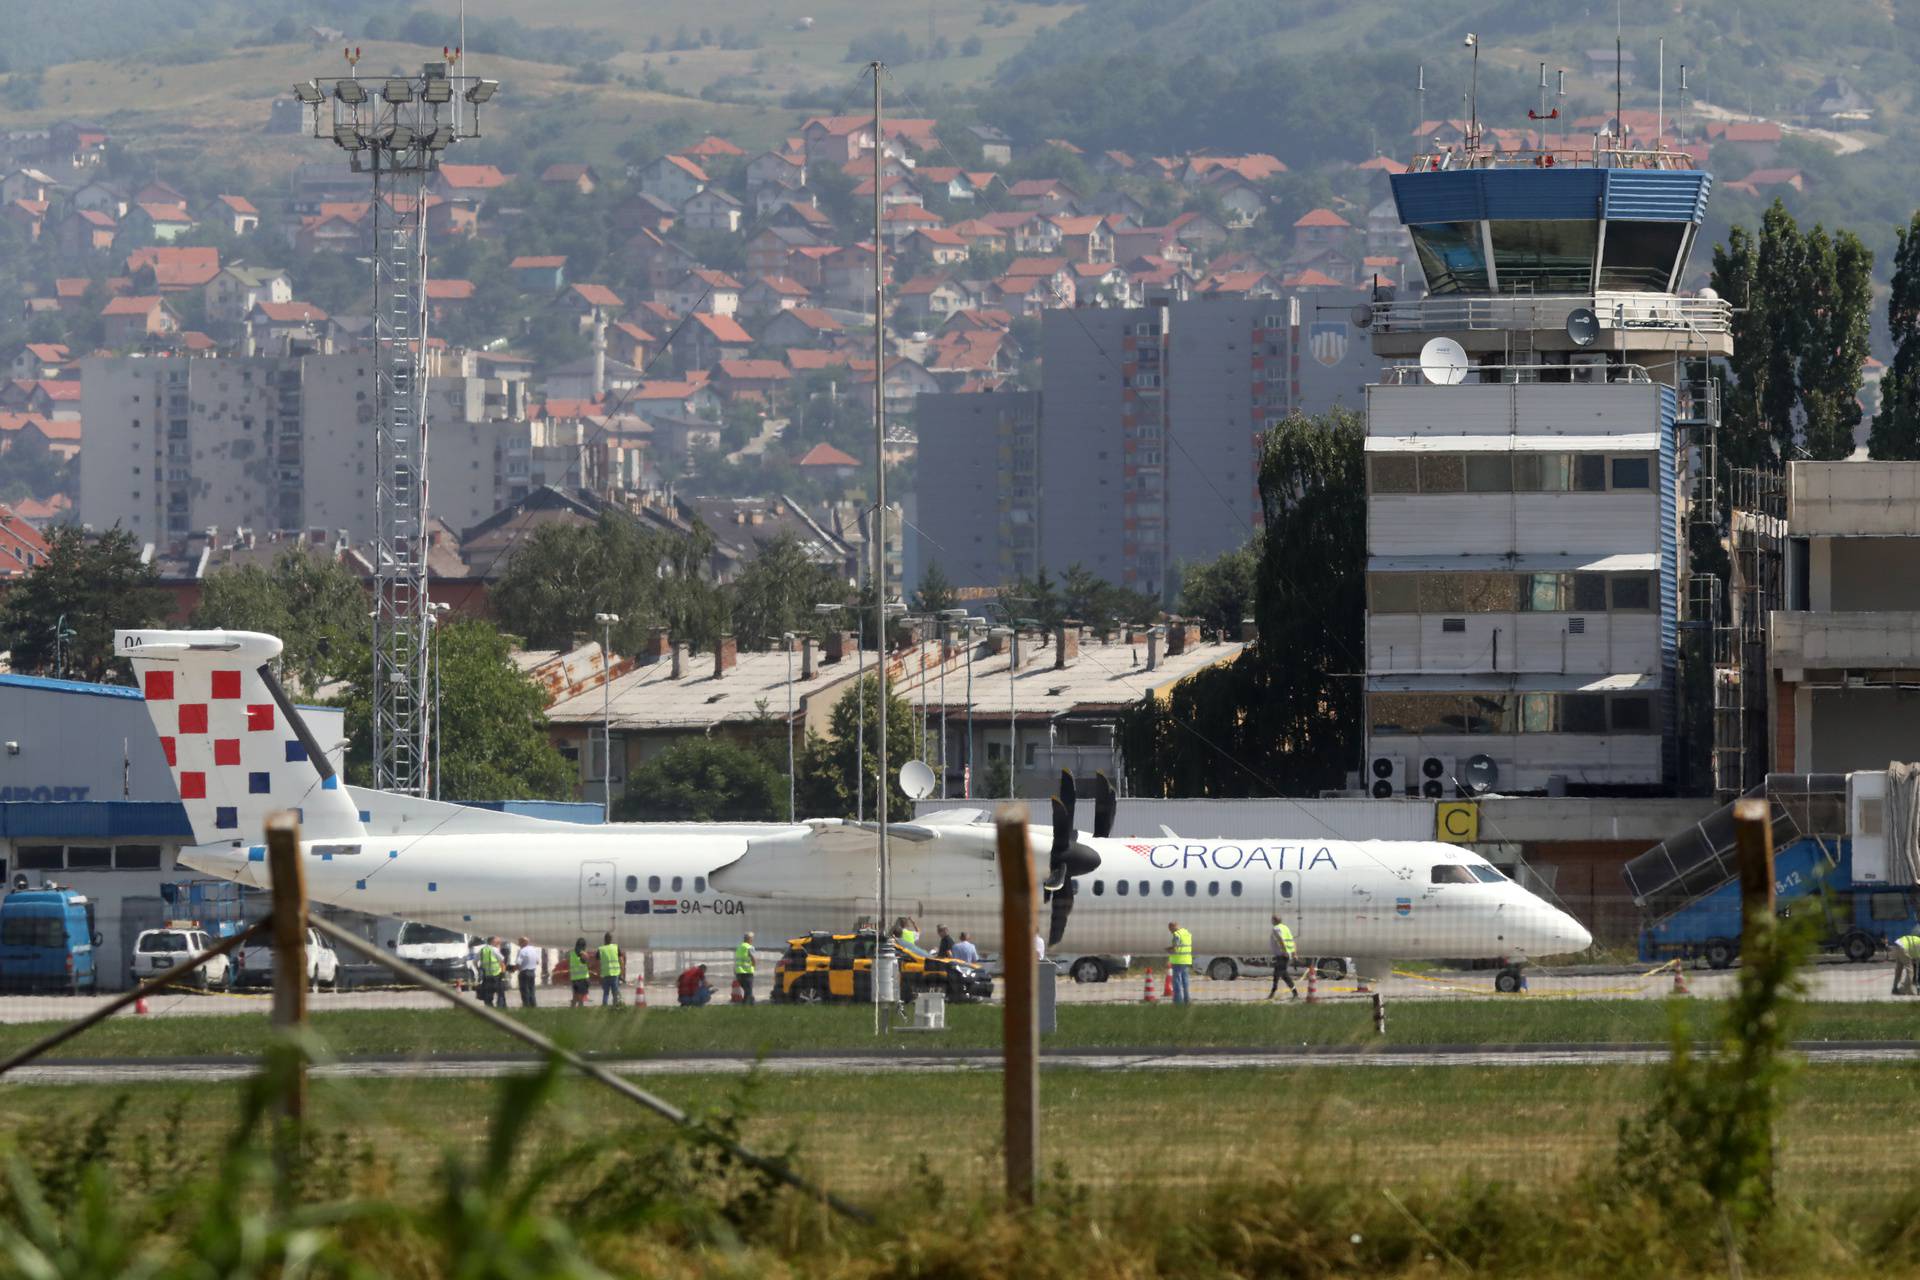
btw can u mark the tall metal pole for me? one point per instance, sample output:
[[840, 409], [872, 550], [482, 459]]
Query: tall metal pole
[[1013, 697], [945, 626], [606, 621], [436, 734], [788, 639], [885, 956], [860, 706], [967, 790]]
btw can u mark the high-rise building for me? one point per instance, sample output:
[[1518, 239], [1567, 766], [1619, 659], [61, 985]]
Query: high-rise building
[[178, 445], [1143, 452], [1527, 456]]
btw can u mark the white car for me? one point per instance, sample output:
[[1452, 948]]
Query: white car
[[444, 954], [157, 950], [255, 963]]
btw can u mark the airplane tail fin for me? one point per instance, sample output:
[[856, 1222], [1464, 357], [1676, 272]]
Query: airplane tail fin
[[236, 745]]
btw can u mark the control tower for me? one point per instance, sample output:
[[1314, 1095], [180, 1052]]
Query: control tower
[[1530, 452]]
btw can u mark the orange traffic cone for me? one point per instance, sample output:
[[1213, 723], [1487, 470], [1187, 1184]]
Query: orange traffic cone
[[1313, 984], [140, 1005], [640, 990], [739, 996], [1149, 997], [1166, 985], [1680, 980]]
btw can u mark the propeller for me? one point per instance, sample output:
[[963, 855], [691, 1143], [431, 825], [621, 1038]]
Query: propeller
[[1068, 858]]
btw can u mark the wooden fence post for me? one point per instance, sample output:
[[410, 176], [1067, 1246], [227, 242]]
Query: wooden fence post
[[1753, 837], [1021, 1012], [289, 954]]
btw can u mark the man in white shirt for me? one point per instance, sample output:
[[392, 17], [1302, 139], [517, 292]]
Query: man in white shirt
[[965, 950], [527, 961]]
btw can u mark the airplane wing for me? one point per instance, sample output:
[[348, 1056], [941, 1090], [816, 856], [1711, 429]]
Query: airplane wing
[[835, 860]]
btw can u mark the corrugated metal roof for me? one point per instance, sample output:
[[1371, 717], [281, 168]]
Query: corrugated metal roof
[[1522, 682], [69, 686], [1625, 562], [1632, 442], [94, 818]]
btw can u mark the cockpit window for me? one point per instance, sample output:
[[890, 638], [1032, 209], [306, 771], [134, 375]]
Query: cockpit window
[[1451, 873], [1487, 875]]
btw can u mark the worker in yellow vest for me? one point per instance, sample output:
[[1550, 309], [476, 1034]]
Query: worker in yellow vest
[[580, 973], [1280, 943], [743, 967], [1906, 952], [1180, 961], [609, 971], [492, 989]]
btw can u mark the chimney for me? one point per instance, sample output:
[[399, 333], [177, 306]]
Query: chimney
[[658, 647], [806, 657], [1153, 648], [725, 654], [679, 659], [996, 643], [1182, 636], [599, 353], [838, 645], [1066, 644]]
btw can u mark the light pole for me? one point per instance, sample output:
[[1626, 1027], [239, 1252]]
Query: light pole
[[437, 616], [949, 619], [607, 622], [971, 626], [786, 638], [1012, 636]]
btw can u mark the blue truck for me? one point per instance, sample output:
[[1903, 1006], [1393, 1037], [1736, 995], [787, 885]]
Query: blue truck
[[48, 942], [1688, 886]]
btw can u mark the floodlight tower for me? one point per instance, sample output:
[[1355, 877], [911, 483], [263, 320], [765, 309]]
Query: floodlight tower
[[395, 129]]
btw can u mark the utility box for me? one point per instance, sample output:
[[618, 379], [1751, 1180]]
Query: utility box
[[930, 1011], [1046, 978]]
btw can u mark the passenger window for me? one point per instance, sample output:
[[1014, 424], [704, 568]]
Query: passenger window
[[1099, 888], [1213, 888], [677, 882], [1236, 888], [653, 884], [1146, 888], [633, 884], [1166, 888], [1286, 888], [699, 884], [1192, 889], [1119, 887]]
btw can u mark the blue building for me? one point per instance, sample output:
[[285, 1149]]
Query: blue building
[[1529, 449]]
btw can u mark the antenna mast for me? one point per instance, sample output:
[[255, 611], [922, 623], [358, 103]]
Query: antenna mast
[[1473, 95], [1660, 112], [1683, 104], [884, 957]]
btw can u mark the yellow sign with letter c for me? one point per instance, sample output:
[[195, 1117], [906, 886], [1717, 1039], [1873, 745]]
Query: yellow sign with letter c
[[1457, 822]]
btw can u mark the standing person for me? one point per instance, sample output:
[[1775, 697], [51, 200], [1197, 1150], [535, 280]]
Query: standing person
[[491, 967], [964, 950], [527, 961], [743, 966], [1180, 961], [580, 973], [1906, 952], [1280, 943], [609, 971], [502, 962], [945, 949]]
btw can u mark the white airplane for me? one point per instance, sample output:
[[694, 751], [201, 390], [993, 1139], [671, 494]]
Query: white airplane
[[240, 751]]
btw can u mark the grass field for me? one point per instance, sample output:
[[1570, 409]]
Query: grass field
[[745, 1031], [1843, 1136]]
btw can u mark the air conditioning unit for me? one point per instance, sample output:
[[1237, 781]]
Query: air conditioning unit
[[1436, 777], [1588, 366], [1386, 777]]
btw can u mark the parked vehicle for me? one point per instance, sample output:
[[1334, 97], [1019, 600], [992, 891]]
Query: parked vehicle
[[443, 953], [826, 966], [47, 940], [179, 944], [254, 963], [1092, 968]]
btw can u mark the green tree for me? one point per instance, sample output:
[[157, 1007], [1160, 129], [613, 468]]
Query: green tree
[[1839, 289], [1896, 428], [1220, 592], [1285, 716], [494, 743], [708, 780], [776, 592], [828, 768], [315, 604], [98, 586], [565, 574], [935, 592]]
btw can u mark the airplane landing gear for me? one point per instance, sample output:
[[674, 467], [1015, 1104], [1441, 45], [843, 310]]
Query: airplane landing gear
[[1510, 979]]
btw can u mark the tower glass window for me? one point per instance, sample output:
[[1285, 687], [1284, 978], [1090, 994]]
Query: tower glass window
[[1544, 257], [1451, 256], [1641, 255]]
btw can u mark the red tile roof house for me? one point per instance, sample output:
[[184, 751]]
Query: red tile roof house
[[751, 379], [800, 327], [174, 270], [824, 459], [545, 273], [130, 321], [772, 293], [236, 213], [706, 340], [21, 546], [582, 300]]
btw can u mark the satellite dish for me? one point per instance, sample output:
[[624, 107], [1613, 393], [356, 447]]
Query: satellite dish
[[1582, 326], [916, 779], [1443, 362], [1480, 774], [1361, 315]]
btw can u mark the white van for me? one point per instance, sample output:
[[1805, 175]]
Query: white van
[[443, 953]]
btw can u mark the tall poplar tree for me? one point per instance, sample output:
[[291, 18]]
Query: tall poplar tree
[[1896, 428]]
